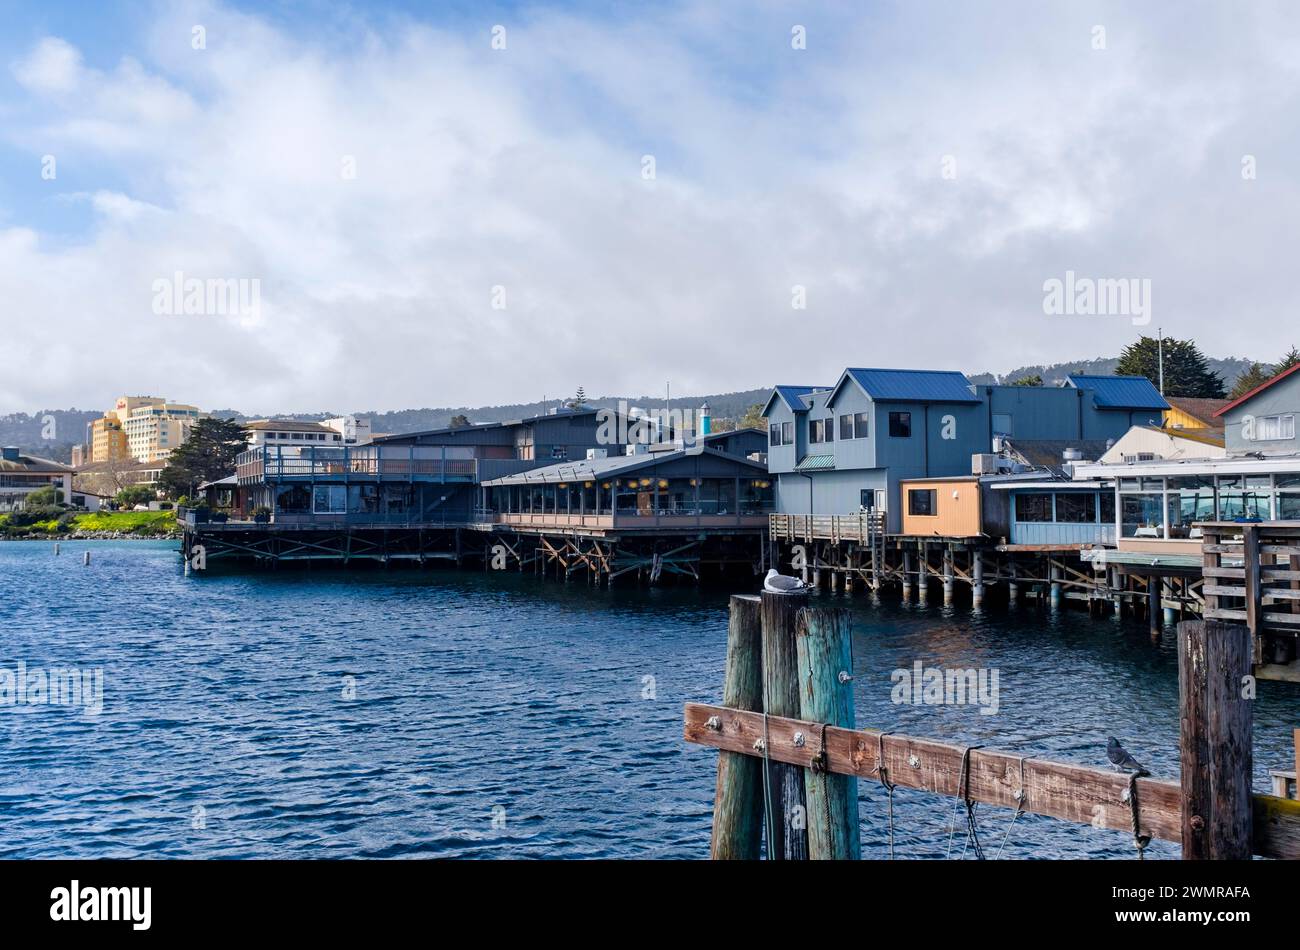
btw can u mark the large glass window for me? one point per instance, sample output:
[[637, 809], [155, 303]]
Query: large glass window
[[774, 434], [1244, 496], [922, 501], [330, 499], [1034, 506], [787, 433], [1140, 515], [900, 425], [846, 426], [1272, 428], [1002, 423], [1190, 499], [815, 429], [1076, 509], [860, 430]]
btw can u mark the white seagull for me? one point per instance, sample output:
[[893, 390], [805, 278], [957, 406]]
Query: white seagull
[[776, 583]]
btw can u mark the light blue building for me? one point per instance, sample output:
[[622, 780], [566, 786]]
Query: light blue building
[[839, 448]]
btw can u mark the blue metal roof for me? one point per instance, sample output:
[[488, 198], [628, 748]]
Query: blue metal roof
[[913, 385], [792, 396], [1120, 392]]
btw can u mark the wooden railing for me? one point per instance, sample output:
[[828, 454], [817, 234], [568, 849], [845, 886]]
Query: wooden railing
[[1263, 592], [862, 527]]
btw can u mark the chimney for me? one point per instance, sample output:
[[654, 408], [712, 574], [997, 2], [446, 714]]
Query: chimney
[[706, 420]]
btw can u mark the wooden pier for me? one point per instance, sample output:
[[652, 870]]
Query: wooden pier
[[786, 779]]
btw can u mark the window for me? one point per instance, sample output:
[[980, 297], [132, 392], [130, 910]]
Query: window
[[1034, 506], [860, 430], [846, 426], [1002, 423], [922, 501], [560, 452], [867, 499], [815, 428], [774, 434], [787, 433], [1076, 509], [1272, 428], [828, 429], [900, 425], [330, 499]]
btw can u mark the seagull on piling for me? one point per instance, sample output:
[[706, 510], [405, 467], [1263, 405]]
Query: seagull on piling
[[1120, 760], [776, 583]]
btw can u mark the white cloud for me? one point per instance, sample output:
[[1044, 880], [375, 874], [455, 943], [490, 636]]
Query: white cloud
[[476, 168]]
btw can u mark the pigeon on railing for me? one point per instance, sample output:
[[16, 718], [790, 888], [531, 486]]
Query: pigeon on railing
[[776, 583], [1120, 759]]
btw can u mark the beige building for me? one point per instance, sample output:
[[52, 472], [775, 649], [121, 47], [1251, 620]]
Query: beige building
[[143, 428]]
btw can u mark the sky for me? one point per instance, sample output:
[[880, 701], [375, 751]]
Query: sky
[[449, 204]]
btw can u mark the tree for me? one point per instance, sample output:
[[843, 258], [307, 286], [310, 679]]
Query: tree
[[579, 399], [1292, 357], [1256, 375], [1033, 380], [459, 422], [207, 455], [133, 495], [44, 497], [1187, 373], [753, 418]]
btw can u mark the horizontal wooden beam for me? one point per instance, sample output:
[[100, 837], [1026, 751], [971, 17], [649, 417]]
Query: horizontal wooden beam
[[1077, 793]]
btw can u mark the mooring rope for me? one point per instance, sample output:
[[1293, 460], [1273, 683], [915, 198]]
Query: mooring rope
[[963, 793], [1020, 807], [1140, 841], [882, 771]]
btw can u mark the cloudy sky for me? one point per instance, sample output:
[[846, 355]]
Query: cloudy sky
[[435, 221]]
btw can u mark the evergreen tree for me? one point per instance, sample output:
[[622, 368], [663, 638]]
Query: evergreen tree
[[1257, 375], [1187, 373], [207, 455], [578, 400], [753, 418], [1292, 357], [1034, 380], [459, 422]]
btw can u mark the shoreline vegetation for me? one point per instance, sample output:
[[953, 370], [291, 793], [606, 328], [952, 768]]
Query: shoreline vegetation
[[92, 526]]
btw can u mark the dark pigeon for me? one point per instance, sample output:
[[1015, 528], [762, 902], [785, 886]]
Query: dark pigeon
[[1120, 760]]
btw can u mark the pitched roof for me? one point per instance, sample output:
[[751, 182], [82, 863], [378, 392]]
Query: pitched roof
[[1207, 436], [1120, 392], [482, 426], [1050, 453], [1202, 410], [792, 396], [581, 469], [286, 425], [1258, 389], [912, 385], [31, 463]]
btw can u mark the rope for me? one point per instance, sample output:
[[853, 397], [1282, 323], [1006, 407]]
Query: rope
[[963, 792], [883, 772], [1140, 841], [1020, 807], [821, 766]]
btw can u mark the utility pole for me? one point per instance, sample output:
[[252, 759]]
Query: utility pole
[[1160, 357]]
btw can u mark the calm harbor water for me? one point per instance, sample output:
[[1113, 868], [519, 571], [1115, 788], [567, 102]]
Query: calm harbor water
[[406, 713]]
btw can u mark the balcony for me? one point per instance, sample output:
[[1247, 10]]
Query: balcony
[[368, 462]]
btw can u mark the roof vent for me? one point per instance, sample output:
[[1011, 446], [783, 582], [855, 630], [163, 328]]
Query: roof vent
[[1072, 455]]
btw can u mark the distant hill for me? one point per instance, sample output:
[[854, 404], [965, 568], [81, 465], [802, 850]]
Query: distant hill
[[69, 425]]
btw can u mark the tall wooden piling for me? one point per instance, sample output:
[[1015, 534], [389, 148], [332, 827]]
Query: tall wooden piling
[[907, 575], [738, 807], [1215, 740], [1153, 606], [977, 579], [825, 654], [787, 833], [948, 576]]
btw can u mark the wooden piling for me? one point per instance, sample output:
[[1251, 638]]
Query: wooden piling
[[738, 806], [787, 833], [948, 575], [825, 655], [907, 575], [977, 579], [1215, 740], [1153, 606]]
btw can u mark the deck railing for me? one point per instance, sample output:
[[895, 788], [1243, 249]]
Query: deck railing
[[863, 527]]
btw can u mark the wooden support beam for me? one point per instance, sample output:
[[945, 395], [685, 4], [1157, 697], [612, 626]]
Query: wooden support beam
[[1077, 793], [738, 806], [1214, 660], [825, 653], [787, 833]]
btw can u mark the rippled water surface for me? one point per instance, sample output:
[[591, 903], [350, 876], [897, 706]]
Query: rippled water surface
[[493, 715]]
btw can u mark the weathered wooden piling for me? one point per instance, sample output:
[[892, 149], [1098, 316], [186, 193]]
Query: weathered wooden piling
[[1214, 660], [1055, 592], [825, 654], [907, 575], [738, 807], [977, 579], [1153, 606], [948, 577], [787, 832]]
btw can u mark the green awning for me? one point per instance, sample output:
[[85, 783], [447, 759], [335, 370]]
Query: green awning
[[815, 463]]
